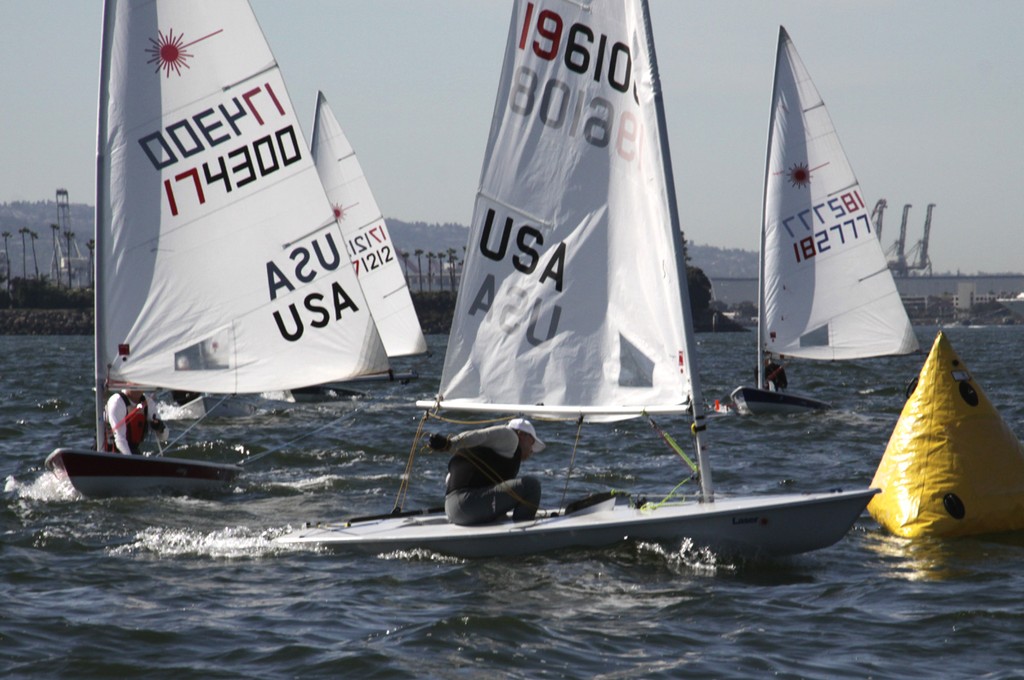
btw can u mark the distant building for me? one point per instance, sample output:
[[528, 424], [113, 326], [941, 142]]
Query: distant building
[[964, 290]]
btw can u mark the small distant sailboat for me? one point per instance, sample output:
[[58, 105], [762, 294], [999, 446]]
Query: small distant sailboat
[[952, 467], [373, 253], [1014, 304], [576, 196], [219, 265], [824, 288]]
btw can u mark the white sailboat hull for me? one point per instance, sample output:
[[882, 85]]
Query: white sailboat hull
[[760, 402], [1015, 305], [767, 526]]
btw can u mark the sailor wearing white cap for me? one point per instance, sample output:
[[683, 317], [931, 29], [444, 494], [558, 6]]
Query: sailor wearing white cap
[[482, 483]]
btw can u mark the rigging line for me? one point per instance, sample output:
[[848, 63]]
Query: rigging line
[[673, 445], [403, 487], [572, 460], [206, 414], [300, 437]]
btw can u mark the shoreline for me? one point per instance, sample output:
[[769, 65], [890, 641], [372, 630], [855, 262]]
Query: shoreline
[[434, 310], [46, 322]]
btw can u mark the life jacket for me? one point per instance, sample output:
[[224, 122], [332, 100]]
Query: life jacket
[[136, 425], [480, 466]]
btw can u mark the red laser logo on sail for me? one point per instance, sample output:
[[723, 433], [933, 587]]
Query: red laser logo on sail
[[169, 51], [799, 175]]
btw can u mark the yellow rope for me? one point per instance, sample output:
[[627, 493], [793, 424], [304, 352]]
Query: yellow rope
[[672, 444], [650, 507]]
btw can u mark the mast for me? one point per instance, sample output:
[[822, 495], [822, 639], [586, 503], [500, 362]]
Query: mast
[[102, 184], [689, 341], [783, 39]]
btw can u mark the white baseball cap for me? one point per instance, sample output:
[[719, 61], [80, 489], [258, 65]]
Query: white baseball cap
[[524, 425]]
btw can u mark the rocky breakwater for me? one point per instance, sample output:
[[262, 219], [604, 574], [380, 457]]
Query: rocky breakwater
[[46, 322]]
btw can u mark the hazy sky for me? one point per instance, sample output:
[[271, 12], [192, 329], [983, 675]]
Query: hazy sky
[[927, 97]]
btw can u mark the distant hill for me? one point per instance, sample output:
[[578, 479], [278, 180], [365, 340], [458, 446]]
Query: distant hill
[[438, 238], [408, 237]]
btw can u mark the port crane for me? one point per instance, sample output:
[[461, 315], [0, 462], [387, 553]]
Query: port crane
[[920, 248], [898, 264], [902, 261]]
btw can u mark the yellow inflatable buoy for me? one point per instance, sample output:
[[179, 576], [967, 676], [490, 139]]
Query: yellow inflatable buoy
[[952, 466]]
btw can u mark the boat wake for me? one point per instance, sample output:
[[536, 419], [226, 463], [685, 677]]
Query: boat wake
[[227, 543], [689, 558]]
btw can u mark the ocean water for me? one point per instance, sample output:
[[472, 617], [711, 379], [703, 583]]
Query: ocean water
[[174, 587]]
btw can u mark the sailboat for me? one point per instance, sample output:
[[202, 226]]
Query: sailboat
[[825, 291], [370, 246], [366, 234], [219, 265], [573, 302]]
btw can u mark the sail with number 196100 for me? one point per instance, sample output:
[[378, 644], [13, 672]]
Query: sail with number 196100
[[573, 303]]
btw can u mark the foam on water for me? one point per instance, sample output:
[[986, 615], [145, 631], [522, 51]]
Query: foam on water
[[45, 486], [226, 543]]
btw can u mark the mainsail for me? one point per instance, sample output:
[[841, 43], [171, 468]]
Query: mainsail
[[220, 266], [374, 254], [826, 290], [572, 296]]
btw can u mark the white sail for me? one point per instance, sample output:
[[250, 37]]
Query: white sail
[[220, 266], [369, 244], [571, 294], [826, 290]]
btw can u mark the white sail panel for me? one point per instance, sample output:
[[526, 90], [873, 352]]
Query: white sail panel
[[570, 294], [373, 253], [220, 267], [827, 290]]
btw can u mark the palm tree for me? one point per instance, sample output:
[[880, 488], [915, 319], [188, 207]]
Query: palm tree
[[23, 231], [35, 262], [404, 254], [91, 245], [419, 267], [451, 268], [430, 271]]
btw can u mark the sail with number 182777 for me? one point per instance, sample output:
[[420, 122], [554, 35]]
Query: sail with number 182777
[[825, 291]]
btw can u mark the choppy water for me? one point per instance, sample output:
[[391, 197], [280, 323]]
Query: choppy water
[[194, 587]]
